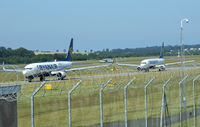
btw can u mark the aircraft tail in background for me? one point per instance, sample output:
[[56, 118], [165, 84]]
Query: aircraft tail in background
[[162, 51], [69, 54]]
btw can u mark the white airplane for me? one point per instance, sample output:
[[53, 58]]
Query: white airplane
[[44, 69], [159, 63]]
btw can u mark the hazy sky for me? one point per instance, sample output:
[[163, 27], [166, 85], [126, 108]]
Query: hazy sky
[[97, 24]]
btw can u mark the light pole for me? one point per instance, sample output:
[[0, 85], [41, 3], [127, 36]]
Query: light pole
[[183, 98], [182, 48], [181, 40]]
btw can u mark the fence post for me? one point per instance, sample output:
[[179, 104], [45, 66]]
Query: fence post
[[101, 102], [32, 104], [163, 102], [125, 100], [145, 91], [69, 102], [194, 107], [180, 99]]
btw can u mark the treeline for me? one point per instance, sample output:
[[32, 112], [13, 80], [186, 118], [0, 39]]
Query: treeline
[[24, 56], [155, 50]]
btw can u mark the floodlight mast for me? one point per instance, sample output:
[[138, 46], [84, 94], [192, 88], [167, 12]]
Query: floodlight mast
[[182, 48], [182, 59], [181, 39], [181, 42]]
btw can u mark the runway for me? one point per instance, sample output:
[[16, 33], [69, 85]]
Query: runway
[[95, 76]]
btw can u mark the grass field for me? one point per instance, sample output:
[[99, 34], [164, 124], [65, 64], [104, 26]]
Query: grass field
[[51, 108]]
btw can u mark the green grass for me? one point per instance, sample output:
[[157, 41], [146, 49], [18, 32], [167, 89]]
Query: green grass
[[51, 107]]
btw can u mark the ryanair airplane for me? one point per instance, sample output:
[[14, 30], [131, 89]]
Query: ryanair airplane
[[44, 69], [159, 63]]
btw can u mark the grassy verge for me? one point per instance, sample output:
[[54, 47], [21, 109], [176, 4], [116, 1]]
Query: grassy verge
[[51, 107]]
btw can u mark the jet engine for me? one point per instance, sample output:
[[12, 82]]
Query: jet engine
[[161, 67], [59, 74]]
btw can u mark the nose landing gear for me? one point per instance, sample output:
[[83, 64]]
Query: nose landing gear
[[30, 78], [139, 68]]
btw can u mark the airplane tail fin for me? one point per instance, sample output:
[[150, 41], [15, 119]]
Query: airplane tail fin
[[69, 54], [162, 51]]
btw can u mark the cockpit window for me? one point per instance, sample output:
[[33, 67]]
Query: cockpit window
[[28, 68], [143, 63]]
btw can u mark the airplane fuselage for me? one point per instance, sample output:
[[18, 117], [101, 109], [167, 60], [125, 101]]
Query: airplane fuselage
[[151, 64], [35, 69]]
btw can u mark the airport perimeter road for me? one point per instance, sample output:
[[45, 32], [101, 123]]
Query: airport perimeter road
[[92, 77]]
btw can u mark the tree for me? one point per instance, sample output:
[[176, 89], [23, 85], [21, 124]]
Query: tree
[[107, 50]]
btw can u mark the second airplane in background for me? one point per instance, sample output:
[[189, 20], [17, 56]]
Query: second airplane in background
[[159, 63]]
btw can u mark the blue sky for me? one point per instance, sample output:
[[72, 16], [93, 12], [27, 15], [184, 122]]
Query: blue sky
[[97, 24]]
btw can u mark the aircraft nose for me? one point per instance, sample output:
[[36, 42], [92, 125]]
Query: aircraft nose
[[24, 72], [142, 65]]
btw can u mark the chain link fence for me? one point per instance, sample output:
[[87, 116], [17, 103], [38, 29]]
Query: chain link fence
[[109, 96]]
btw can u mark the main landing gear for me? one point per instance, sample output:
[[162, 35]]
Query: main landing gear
[[42, 78]]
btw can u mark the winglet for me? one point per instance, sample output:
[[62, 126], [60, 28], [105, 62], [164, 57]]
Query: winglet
[[3, 66], [162, 51], [69, 54]]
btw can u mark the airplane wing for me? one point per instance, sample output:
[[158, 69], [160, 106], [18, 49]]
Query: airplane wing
[[167, 64], [132, 65], [12, 70], [85, 68]]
